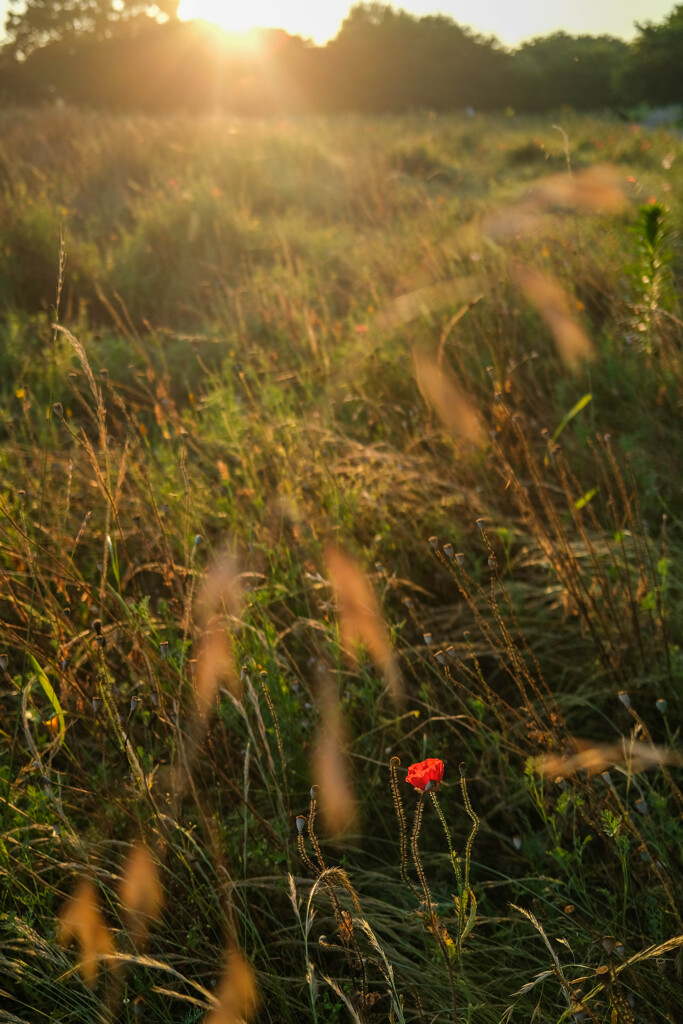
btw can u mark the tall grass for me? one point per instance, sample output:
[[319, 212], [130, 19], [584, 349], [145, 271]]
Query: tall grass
[[329, 447]]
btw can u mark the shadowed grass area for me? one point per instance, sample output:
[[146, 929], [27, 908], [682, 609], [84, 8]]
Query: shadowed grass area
[[326, 443]]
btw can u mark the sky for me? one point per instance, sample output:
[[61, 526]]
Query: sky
[[512, 21]]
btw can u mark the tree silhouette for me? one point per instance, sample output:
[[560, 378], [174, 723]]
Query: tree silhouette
[[40, 22], [135, 55], [655, 71], [387, 60], [564, 70]]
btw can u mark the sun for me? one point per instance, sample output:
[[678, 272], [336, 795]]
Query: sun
[[309, 18]]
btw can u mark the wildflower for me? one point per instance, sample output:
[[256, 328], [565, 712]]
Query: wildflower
[[426, 774]]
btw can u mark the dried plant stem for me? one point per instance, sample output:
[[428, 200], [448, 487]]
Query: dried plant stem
[[278, 736], [104, 685], [455, 860], [402, 827], [304, 856], [475, 826], [675, 791], [415, 851], [429, 907], [311, 830], [325, 875]]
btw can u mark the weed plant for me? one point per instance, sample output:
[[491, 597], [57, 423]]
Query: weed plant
[[332, 449]]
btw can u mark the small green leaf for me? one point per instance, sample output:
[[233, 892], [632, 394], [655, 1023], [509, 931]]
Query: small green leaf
[[574, 411], [51, 696], [585, 498], [469, 925], [663, 569]]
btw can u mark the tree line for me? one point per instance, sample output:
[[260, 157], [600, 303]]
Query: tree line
[[129, 55]]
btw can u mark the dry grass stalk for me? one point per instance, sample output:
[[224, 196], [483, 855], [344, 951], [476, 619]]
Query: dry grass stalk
[[428, 299], [596, 757], [81, 920], [215, 666], [141, 893], [337, 802], [448, 400], [596, 189], [221, 593], [238, 993], [554, 305], [517, 219], [83, 359], [360, 620], [218, 604], [593, 190]]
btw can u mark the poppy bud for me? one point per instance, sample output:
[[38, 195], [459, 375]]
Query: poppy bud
[[603, 975]]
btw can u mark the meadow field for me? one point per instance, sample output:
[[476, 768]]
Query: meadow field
[[330, 447]]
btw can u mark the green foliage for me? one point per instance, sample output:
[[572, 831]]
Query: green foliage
[[653, 73], [576, 71], [39, 22], [655, 297]]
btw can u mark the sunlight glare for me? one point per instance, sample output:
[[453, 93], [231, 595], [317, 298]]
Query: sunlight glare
[[308, 18]]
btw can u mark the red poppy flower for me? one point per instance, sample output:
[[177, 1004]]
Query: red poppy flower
[[426, 774]]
